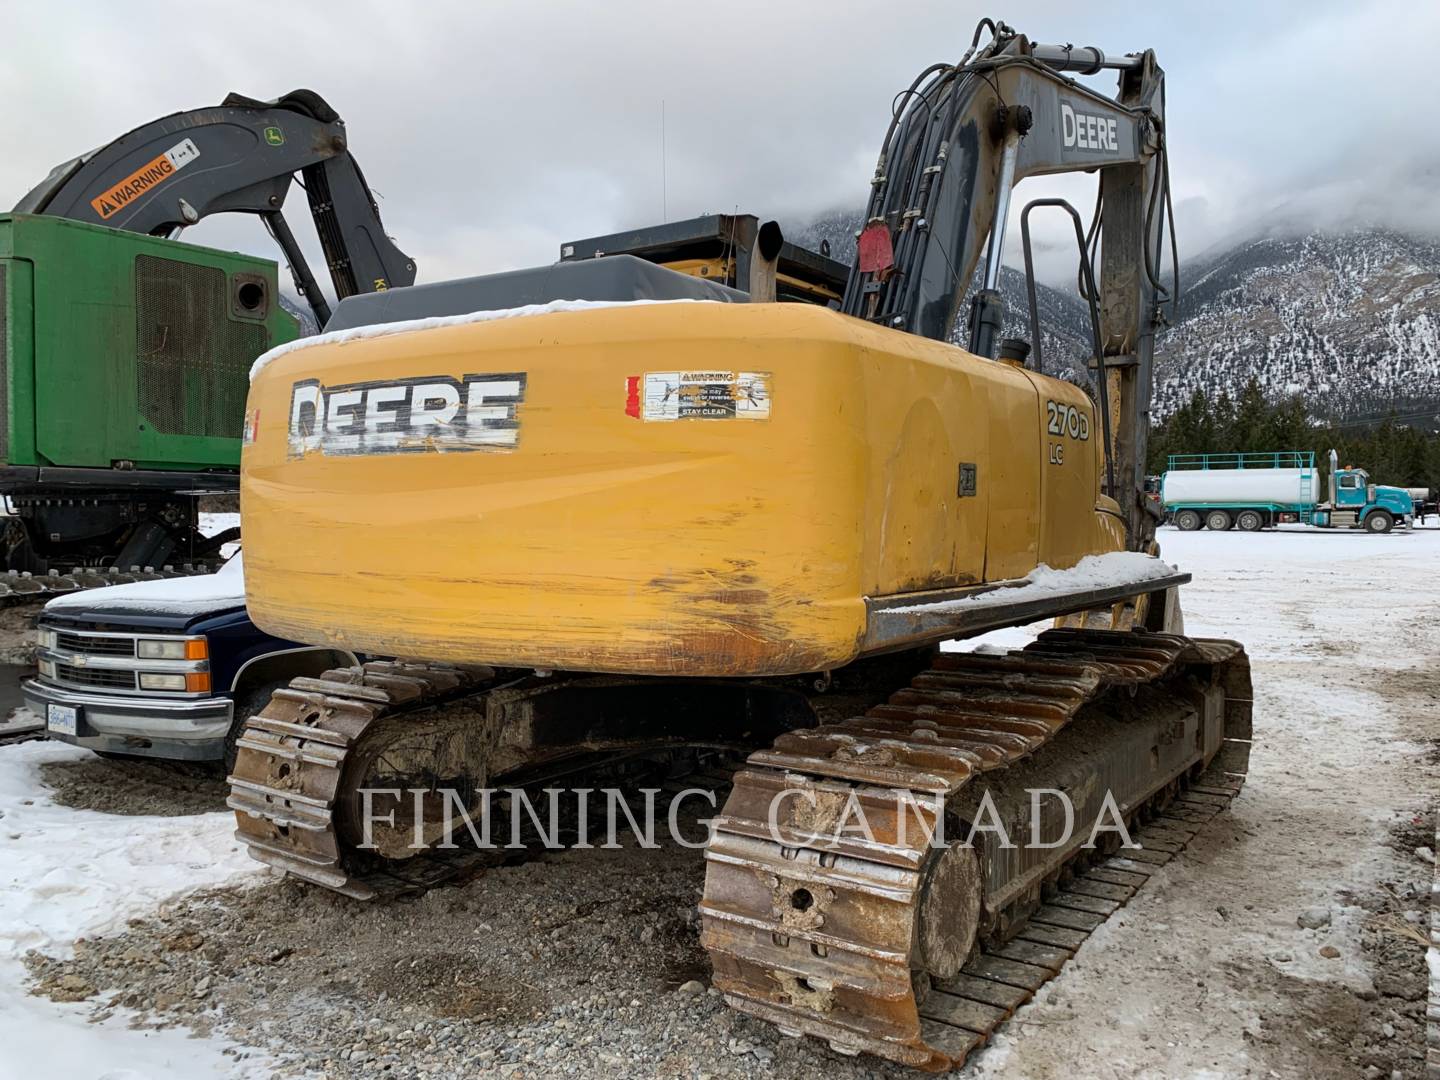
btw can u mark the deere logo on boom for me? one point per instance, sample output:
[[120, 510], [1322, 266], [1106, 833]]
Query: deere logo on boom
[[149, 175], [437, 413], [1088, 131]]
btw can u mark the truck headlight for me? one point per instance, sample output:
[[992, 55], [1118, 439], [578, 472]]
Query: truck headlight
[[47, 668], [45, 638], [150, 680], [162, 648]]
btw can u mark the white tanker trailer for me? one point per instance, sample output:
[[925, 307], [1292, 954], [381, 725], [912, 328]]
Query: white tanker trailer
[[1424, 500], [1256, 491]]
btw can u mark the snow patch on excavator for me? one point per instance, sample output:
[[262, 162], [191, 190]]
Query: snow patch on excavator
[[361, 333], [1111, 570]]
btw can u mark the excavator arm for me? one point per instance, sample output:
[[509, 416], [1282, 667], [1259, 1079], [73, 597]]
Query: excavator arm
[[238, 158], [961, 137]]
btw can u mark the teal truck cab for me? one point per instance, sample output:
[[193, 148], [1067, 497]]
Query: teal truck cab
[[1371, 506], [1256, 491]]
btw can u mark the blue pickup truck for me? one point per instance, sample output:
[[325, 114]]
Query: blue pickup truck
[[166, 669]]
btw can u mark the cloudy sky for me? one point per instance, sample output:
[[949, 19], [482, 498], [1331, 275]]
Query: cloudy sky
[[494, 130]]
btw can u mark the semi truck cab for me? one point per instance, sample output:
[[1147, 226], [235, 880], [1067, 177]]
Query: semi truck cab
[[1358, 502]]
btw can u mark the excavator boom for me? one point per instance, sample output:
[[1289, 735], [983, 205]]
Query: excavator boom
[[963, 135]]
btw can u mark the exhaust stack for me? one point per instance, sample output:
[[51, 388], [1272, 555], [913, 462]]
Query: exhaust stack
[[1334, 465], [765, 263]]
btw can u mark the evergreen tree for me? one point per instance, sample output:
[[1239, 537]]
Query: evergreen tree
[[1392, 453]]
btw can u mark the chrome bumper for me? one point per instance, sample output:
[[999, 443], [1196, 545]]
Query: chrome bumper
[[191, 729]]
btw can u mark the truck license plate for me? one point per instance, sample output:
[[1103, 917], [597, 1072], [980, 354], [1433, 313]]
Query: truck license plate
[[62, 719]]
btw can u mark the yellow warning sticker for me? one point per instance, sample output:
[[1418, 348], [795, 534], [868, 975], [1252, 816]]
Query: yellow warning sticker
[[143, 179]]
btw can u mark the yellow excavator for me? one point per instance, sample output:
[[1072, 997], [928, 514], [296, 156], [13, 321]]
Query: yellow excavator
[[608, 510]]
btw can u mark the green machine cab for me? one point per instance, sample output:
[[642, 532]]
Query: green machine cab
[[124, 364], [127, 352]]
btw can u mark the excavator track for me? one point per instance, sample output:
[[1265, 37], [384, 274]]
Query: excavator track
[[298, 762], [287, 784], [880, 942], [21, 587], [16, 737]]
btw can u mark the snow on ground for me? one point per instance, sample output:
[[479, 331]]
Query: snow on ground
[[210, 524], [68, 873]]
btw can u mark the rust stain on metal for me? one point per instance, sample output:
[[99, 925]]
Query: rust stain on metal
[[817, 995]]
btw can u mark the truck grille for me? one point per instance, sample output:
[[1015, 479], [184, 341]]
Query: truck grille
[[95, 645], [192, 360], [97, 677]]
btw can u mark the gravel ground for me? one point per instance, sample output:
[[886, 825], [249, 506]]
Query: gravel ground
[[577, 963], [588, 963], [136, 786]]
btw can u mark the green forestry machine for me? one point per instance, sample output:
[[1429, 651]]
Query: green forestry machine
[[125, 354]]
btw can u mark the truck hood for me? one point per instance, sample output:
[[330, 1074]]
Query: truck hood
[[1395, 499], [170, 602]]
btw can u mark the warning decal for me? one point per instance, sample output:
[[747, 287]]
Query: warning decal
[[149, 175], [699, 395]]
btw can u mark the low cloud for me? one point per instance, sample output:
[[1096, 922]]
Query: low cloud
[[493, 132]]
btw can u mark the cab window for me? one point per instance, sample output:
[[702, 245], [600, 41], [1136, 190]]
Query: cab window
[[1351, 481]]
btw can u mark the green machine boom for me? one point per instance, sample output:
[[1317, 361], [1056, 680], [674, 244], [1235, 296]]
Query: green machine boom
[[125, 354]]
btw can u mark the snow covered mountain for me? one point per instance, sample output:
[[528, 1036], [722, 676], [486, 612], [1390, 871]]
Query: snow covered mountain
[[300, 311], [1351, 321]]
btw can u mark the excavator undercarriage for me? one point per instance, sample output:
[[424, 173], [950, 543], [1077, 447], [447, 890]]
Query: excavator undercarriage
[[895, 944], [879, 880]]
